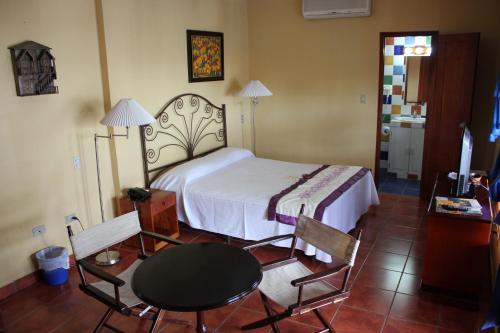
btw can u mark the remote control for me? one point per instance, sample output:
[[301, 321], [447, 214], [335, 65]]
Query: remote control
[[453, 208]]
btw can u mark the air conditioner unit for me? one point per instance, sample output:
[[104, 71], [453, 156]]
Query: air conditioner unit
[[322, 9]]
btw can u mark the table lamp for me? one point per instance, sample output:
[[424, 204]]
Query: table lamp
[[127, 112], [254, 89]]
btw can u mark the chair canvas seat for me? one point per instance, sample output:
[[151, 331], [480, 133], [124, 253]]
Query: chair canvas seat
[[127, 296], [276, 284]]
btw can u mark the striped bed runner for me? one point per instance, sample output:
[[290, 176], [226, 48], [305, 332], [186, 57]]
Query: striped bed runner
[[316, 191]]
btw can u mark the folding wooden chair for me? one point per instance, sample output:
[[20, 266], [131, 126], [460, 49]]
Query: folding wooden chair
[[114, 291], [296, 288]]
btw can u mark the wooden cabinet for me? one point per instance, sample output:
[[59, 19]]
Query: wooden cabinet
[[157, 214], [405, 151], [456, 256]]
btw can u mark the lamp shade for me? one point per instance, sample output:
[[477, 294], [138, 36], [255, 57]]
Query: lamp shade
[[255, 88], [126, 113]]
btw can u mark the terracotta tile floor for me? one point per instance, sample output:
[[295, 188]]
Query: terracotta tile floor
[[385, 289]]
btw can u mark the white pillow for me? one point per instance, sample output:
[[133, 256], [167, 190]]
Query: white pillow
[[176, 178]]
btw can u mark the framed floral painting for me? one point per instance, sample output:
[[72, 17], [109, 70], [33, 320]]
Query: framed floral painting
[[205, 51]]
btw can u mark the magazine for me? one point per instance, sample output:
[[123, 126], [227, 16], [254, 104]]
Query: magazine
[[461, 206]]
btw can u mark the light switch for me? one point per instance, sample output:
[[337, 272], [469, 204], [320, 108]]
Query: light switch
[[76, 162], [362, 99]]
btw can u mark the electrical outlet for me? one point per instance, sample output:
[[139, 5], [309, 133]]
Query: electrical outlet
[[38, 230], [69, 218], [242, 118]]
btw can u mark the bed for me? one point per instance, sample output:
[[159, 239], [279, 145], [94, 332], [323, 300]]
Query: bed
[[228, 190]]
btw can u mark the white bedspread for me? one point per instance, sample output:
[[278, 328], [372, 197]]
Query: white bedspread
[[233, 200]]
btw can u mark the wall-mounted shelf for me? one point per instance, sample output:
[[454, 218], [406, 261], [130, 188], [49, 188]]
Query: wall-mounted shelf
[[34, 69]]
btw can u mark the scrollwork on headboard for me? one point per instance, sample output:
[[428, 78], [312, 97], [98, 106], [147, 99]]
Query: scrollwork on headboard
[[182, 123]]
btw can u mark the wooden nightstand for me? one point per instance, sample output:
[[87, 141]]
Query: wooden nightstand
[[157, 214]]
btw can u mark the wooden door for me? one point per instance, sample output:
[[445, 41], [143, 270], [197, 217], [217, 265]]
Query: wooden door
[[450, 104]]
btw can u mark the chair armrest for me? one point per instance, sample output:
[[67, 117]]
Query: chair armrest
[[103, 297], [92, 269], [161, 237], [318, 276], [267, 241]]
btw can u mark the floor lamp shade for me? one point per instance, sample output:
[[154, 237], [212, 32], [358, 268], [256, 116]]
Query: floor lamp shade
[[127, 112], [254, 89]]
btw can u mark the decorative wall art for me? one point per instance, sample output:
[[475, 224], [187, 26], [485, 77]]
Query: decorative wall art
[[34, 69], [205, 51]]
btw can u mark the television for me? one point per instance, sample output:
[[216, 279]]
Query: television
[[463, 172]]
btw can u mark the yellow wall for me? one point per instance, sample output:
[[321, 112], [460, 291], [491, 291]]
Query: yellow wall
[[39, 135], [143, 50], [317, 71], [147, 57]]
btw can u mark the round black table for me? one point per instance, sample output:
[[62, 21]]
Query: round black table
[[196, 277]]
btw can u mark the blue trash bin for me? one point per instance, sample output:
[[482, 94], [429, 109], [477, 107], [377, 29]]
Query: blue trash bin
[[56, 277], [54, 262]]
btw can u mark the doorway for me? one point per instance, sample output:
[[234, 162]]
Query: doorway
[[450, 76], [403, 108]]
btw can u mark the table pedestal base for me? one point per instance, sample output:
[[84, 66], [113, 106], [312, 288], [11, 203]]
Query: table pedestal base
[[200, 323]]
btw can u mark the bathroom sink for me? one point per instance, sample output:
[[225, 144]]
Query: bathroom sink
[[415, 120]]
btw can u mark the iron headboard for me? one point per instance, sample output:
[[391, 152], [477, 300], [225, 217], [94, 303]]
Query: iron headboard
[[195, 113]]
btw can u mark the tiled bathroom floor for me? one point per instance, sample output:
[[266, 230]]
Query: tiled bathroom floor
[[390, 184]]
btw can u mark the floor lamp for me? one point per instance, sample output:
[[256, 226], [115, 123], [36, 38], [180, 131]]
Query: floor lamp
[[254, 89], [127, 112]]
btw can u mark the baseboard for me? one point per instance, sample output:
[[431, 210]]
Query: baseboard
[[25, 281], [19, 284]]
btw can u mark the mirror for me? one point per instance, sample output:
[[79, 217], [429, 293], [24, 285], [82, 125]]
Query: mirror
[[412, 79]]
